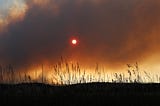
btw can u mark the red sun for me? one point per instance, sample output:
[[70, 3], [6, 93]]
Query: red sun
[[74, 41]]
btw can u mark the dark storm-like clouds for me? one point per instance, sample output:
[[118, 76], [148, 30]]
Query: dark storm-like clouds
[[114, 31]]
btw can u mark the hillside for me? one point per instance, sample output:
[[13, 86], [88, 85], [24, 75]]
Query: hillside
[[80, 94]]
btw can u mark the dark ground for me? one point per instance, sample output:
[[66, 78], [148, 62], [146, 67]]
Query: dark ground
[[98, 94]]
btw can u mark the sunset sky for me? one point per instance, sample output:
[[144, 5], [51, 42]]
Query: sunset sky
[[109, 32]]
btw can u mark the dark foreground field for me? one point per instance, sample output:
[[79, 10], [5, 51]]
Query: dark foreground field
[[81, 94]]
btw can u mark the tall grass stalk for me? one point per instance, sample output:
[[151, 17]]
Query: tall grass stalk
[[65, 73]]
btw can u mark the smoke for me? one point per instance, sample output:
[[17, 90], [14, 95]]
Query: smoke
[[113, 32], [11, 11]]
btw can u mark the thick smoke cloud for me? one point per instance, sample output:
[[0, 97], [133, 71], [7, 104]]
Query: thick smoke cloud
[[110, 31]]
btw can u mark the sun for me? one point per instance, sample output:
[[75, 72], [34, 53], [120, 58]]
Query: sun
[[74, 41]]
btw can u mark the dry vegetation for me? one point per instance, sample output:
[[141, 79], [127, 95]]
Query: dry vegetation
[[65, 73], [79, 87]]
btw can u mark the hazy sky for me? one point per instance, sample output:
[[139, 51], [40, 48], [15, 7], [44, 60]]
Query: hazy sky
[[111, 32]]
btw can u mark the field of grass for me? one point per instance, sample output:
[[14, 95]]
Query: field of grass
[[73, 86], [65, 73]]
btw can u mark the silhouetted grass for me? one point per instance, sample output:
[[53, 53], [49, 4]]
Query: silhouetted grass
[[65, 73], [71, 85]]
